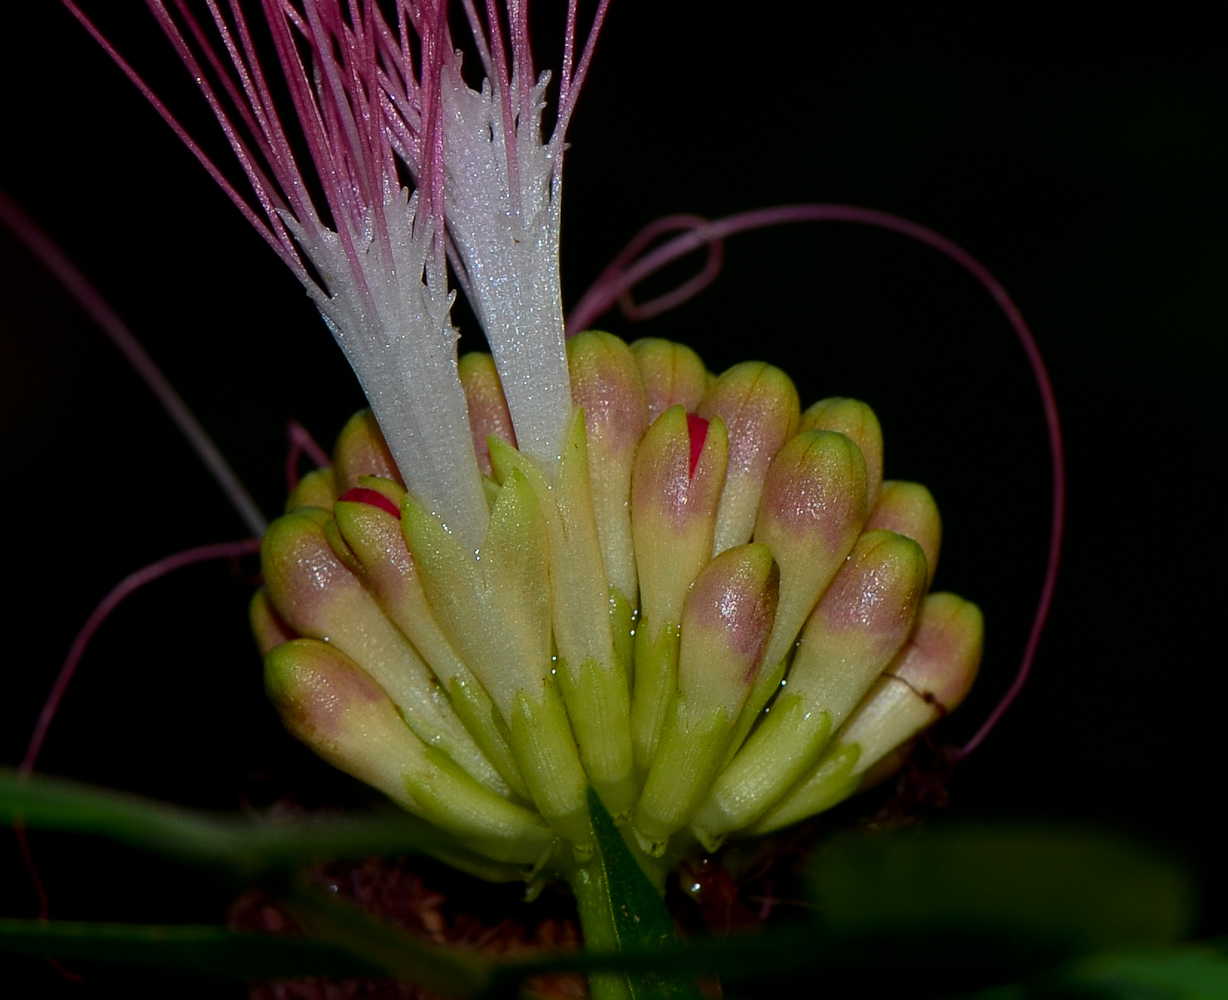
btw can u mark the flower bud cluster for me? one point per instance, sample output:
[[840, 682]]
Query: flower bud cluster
[[710, 608]]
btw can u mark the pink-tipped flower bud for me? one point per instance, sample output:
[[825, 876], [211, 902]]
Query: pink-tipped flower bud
[[336, 708], [674, 509], [316, 489], [862, 621], [362, 451], [672, 373], [810, 516], [908, 509], [606, 384], [725, 627], [929, 677], [856, 421], [759, 406], [318, 595], [267, 625], [942, 657], [487, 406]]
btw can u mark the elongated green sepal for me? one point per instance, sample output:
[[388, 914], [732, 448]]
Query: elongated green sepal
[[685, 764], [656, 679], [374, 537], [599, 706], [833, 780], [493, 609], [545, 749], [783, 748], [592, 679]]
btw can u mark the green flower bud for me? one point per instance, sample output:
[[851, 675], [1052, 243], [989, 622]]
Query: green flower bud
[[725, 627], [335, 707], [856, 421], [362, 451], [606, 384], [908, 509], [374, 538], [487, 406], [316, 489], [267, 626], [673, 520], [592, 677], [320, 597], [929, 678], [811, 513], [759, 406], [674, 509], [672, 373], [864, 618]]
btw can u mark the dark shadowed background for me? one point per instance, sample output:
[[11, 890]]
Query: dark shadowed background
[[1077, 150]]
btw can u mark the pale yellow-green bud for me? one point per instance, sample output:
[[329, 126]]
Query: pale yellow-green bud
[[928, 678], [856, 421], [486, 404], [362, 451], [909, 509], [672, 373], [864, 618], [758, 404], [606, 385], [725, 627], [336, 708]]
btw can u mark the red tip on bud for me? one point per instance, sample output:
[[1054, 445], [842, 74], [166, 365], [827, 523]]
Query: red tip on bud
[[373, 498], [697, 428]]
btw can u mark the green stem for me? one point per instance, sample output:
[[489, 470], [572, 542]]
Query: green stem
[[592, 891]]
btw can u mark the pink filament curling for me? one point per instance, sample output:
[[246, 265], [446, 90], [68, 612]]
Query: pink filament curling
[[126, 586], [302, 443]]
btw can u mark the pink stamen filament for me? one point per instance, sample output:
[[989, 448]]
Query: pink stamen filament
[[302, 443], [125, 341], [128, 585]]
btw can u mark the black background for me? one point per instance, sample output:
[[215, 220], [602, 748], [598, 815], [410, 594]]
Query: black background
[[1077, 150]]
